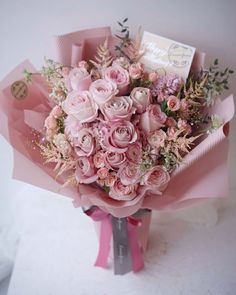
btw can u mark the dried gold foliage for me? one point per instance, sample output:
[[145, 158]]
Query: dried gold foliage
[[103, 58]]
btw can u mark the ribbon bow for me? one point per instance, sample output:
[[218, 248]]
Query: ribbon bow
[[127, 253]]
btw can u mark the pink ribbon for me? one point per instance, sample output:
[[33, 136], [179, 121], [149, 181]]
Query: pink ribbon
[[105, 235], [105, 238]]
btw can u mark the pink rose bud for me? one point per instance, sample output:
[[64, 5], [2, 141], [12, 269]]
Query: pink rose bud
[[56, 111], [173, 103], [50, 122], [98, 160], [110, 180], [136, 70], [102, 173], [170, 122], [153, 76]]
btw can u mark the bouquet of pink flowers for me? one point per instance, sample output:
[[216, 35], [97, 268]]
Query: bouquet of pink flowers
[[122, 134]]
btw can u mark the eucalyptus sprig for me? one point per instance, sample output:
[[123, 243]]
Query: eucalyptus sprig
[[217, 81], [124, 36]]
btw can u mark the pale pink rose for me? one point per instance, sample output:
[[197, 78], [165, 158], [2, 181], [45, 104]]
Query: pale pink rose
[[122, 62], [136, 70], [85, 171], [78, 79], [102, 91], [173, 103], [118, 108], [110, 180], [114, 160], [50, 122], [120, 135], [170, 122], [84, 142], [72, 126], [183, 125], [80, 105], [157, 138], [156, 179], [102, 173], [152, 119], [83, 64], [171, 131], [129, 173], [62, 144], [141, 98], [184, 105], [134, 152], [119, 76], [153, 76], [99, 159], [56, 112], [122, 192]]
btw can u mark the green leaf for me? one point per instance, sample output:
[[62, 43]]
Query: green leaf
[[164, 106]]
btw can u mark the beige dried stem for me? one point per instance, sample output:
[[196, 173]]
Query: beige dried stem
[[103, 58]]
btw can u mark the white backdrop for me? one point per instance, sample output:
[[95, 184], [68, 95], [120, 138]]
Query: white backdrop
[[26, 28]]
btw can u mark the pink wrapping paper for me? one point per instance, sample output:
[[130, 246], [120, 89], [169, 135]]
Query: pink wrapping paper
[[203, 173]]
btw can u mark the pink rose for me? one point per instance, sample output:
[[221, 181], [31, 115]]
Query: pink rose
[[141, 98], [72, 126], [170, 122], [183, 125], [156, 179], [136, 70], [157, 138], [173, 103], [129, 173], [103, 173], [85, 171], [123, 192], [120, 135], [80, 105], [99, 159], [78, 79], [119, 76], [84, 142], [152, 119], [134, 152], [118, 108], [114, 160], [102, 91]]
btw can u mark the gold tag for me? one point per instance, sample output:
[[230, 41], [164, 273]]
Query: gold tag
[[19, 90]]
